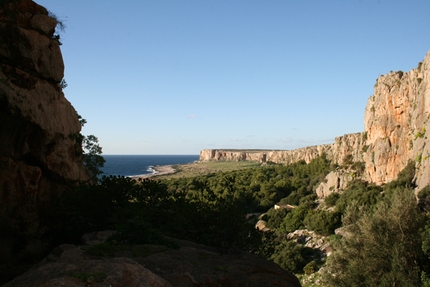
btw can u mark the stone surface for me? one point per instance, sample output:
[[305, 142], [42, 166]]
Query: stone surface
[[39, 155], [396, 122], [343, 146], [335, 181], [189, 266]]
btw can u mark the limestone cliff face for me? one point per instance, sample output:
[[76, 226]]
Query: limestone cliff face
[[396, 131], [396, 122], [350, 144], [39, 156]]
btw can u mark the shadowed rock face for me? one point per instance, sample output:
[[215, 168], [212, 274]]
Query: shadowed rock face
[[39, 155], [151, 265]]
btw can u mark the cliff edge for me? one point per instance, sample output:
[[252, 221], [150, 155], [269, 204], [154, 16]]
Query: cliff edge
[[396, 122]]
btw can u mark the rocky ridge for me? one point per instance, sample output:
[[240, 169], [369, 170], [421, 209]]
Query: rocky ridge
[[39, 155], [396, 122]]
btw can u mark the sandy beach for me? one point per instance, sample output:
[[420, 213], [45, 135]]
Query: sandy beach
[[159, 170]]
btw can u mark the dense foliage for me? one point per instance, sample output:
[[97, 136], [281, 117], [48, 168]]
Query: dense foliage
[[383, 245], [208, 209], [258, 189], [385, 242], [129, 206], [89, 149]]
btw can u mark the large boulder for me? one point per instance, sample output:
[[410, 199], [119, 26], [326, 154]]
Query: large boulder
[[152, 265]]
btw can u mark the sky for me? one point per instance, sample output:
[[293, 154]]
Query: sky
[[179, 76]]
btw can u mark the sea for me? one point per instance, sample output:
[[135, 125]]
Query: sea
[[132, 165]]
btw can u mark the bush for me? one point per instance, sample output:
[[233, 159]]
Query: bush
[[311, 267], [138, 231], [275, 217], [331, 199], [323, 222], [424, 193], [292, 256], [383, 248], [405, 178], [361, 192], [294, 219]]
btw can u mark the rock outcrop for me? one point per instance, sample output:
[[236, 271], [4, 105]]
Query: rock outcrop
[[396, 122], [153, 265], [335, 181], [344, 146], [39, 155]]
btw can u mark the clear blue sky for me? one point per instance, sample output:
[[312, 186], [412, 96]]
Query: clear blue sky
[[175, 77]]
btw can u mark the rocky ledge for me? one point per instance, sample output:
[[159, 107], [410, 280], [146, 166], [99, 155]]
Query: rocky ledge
[[101, 264]]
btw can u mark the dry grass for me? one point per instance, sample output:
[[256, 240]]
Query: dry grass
[[201, 168]]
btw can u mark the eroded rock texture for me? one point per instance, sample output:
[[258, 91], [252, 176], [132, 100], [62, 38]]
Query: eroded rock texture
[[397, 124], [396, 127], [152, 265], [39, 155]]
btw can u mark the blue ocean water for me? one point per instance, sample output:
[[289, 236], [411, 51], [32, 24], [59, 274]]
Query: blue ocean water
[[130, 165]]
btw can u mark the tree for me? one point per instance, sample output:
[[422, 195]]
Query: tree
[[292, 256], [92, 156], [322, 222], [294, 219], [380, 248], [91, 152]]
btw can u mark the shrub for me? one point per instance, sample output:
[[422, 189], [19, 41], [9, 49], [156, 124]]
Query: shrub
[[425, 192], [405, 178], [292, 256], [361, 192], [421, 133], [383, 248], [138, 231], [323, 222], [331, 199], [294, 219], [348, 159], [311, 267], [275, 217], [359, 166]]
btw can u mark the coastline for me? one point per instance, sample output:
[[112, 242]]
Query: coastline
[[159, 170]]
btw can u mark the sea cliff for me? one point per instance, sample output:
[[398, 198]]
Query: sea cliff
[[396, 121]]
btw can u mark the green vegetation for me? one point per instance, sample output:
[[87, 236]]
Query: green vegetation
[[383, 247], [91, 152], [331, 199], [386, 237], [201, 168], [323, 222], [60, 27], [400, 74], [292, 256], [421, 133]]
